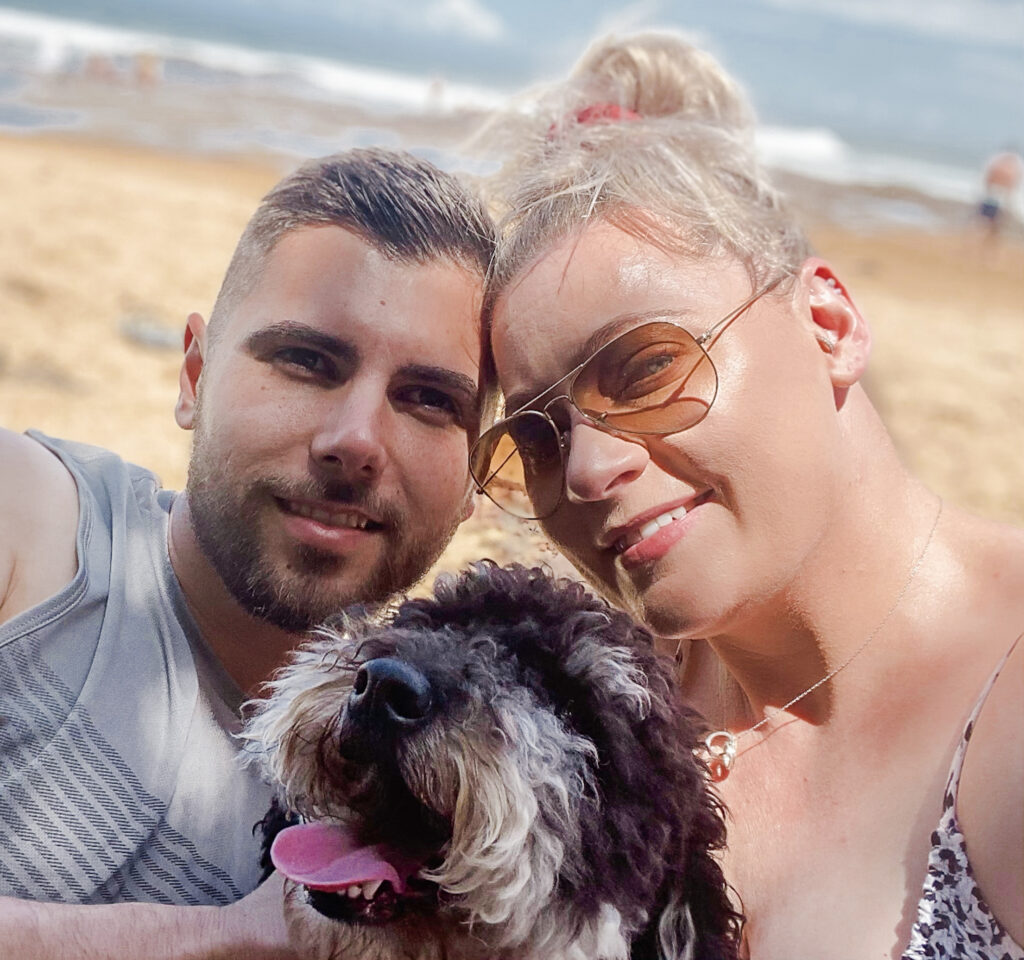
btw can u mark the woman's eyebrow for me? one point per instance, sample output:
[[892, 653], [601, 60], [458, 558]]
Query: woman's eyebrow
[[620, 324], [602, 335]]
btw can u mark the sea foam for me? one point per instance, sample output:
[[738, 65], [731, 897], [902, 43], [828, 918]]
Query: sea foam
[[55, 44]]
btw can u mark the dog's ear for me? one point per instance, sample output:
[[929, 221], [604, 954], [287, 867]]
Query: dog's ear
[[696, 919], [694, 915], [676, 937], [277, 818], [675, 934]]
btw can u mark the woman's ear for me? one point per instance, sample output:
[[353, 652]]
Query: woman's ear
[[840, 330], [191, 368]]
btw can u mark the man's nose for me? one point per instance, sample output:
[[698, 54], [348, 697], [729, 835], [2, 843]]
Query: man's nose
[[351, 436], [598, 462]]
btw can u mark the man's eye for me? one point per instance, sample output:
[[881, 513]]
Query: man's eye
[[305, 361], [439, 406]]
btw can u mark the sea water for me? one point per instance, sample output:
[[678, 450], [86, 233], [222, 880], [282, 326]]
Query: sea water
[[901, 93]]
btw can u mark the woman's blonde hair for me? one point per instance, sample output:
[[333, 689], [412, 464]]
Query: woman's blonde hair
[[648, 133]]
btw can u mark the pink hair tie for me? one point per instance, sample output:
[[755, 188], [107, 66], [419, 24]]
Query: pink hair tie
[[605, 111], [595, 113]]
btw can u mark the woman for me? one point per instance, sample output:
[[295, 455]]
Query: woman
[[690, 426]]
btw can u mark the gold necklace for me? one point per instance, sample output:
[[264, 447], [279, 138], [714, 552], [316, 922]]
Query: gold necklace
[[720, 746]]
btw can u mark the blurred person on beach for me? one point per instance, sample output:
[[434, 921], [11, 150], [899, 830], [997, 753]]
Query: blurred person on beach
[[1001, 181], [333, 397], [684, 415]]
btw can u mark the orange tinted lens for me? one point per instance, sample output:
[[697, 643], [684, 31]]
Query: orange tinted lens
[[518, 464], [653, 379]]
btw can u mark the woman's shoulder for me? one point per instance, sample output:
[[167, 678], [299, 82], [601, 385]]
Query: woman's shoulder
[[990, 803], [990, 556]]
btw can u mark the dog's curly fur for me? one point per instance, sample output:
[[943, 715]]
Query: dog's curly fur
[[550, 789]]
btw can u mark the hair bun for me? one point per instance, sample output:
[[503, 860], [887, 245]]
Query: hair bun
[[662, 75]]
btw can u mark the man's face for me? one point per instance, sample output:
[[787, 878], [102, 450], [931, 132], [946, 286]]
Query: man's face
[[332, 421]]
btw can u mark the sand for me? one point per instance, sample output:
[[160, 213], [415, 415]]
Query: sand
[[99, 239]]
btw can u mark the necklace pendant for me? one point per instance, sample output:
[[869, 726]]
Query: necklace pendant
[[720, 748]]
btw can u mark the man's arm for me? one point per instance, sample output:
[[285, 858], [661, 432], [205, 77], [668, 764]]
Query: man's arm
[[38, 524], [252, 929]]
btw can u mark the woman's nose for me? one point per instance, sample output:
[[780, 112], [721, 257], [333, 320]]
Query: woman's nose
[[598, 462]]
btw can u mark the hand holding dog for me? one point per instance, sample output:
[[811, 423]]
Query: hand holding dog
[[251, 929]]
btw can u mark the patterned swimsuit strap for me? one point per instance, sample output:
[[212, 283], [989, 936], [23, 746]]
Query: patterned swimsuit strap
[[953, 783]]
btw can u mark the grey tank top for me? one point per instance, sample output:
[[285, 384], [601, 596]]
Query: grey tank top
[[120, 777]]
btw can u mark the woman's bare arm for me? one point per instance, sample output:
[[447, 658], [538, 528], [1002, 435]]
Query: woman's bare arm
[[990, 806]]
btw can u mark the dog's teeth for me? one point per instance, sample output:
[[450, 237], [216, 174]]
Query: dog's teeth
[[354, 891], [370, 890]]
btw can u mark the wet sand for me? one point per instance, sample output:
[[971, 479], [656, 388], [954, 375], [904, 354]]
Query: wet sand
[[105, 249]]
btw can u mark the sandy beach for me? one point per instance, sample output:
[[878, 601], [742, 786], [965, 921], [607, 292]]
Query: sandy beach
[[104, 250]]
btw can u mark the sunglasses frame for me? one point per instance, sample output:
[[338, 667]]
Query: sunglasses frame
[[708, 337]]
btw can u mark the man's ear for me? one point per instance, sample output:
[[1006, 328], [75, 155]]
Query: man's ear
[[191, 368], [842, 333], [470, 503]]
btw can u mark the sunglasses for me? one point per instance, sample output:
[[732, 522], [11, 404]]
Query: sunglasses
[[654, 379]]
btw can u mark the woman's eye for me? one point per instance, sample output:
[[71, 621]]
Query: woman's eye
[[652, 365], [651, 370]]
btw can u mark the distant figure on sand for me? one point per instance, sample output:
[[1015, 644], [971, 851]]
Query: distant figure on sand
[[1002, 177]]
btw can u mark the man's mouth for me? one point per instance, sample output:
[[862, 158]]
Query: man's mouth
[[331, 516], [650, 527]]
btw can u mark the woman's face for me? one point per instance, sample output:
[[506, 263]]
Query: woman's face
[[743, 497]]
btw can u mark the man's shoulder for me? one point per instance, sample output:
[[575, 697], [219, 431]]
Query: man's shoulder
[[38, 523], [31, 475]]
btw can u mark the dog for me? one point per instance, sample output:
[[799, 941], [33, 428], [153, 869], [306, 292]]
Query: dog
[[503, 771]]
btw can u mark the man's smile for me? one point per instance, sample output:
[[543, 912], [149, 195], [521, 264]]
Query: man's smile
[[330, 515]]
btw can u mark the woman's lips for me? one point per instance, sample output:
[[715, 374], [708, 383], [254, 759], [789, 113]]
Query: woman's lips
[[651, 539]]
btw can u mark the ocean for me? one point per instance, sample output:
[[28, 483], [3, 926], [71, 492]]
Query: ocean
[[907, 95]]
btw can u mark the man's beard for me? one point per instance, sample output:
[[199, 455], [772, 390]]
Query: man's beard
[[296, 593]]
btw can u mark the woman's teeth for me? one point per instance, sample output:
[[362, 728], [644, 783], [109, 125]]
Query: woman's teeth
[[649, 529]]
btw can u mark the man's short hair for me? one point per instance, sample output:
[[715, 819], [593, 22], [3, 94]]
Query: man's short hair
[[404, 206]]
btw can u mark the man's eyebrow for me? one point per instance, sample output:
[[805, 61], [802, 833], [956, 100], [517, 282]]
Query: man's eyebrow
[[602, 335], [295, 332]]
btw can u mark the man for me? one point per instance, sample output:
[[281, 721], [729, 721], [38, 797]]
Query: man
[[333, 395]]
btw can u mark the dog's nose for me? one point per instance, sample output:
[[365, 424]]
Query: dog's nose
[[390, 691]]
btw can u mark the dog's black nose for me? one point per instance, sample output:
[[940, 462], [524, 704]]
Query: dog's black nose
[[390, 691]]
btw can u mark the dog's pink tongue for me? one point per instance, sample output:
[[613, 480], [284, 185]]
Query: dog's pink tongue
[[326, 856]]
